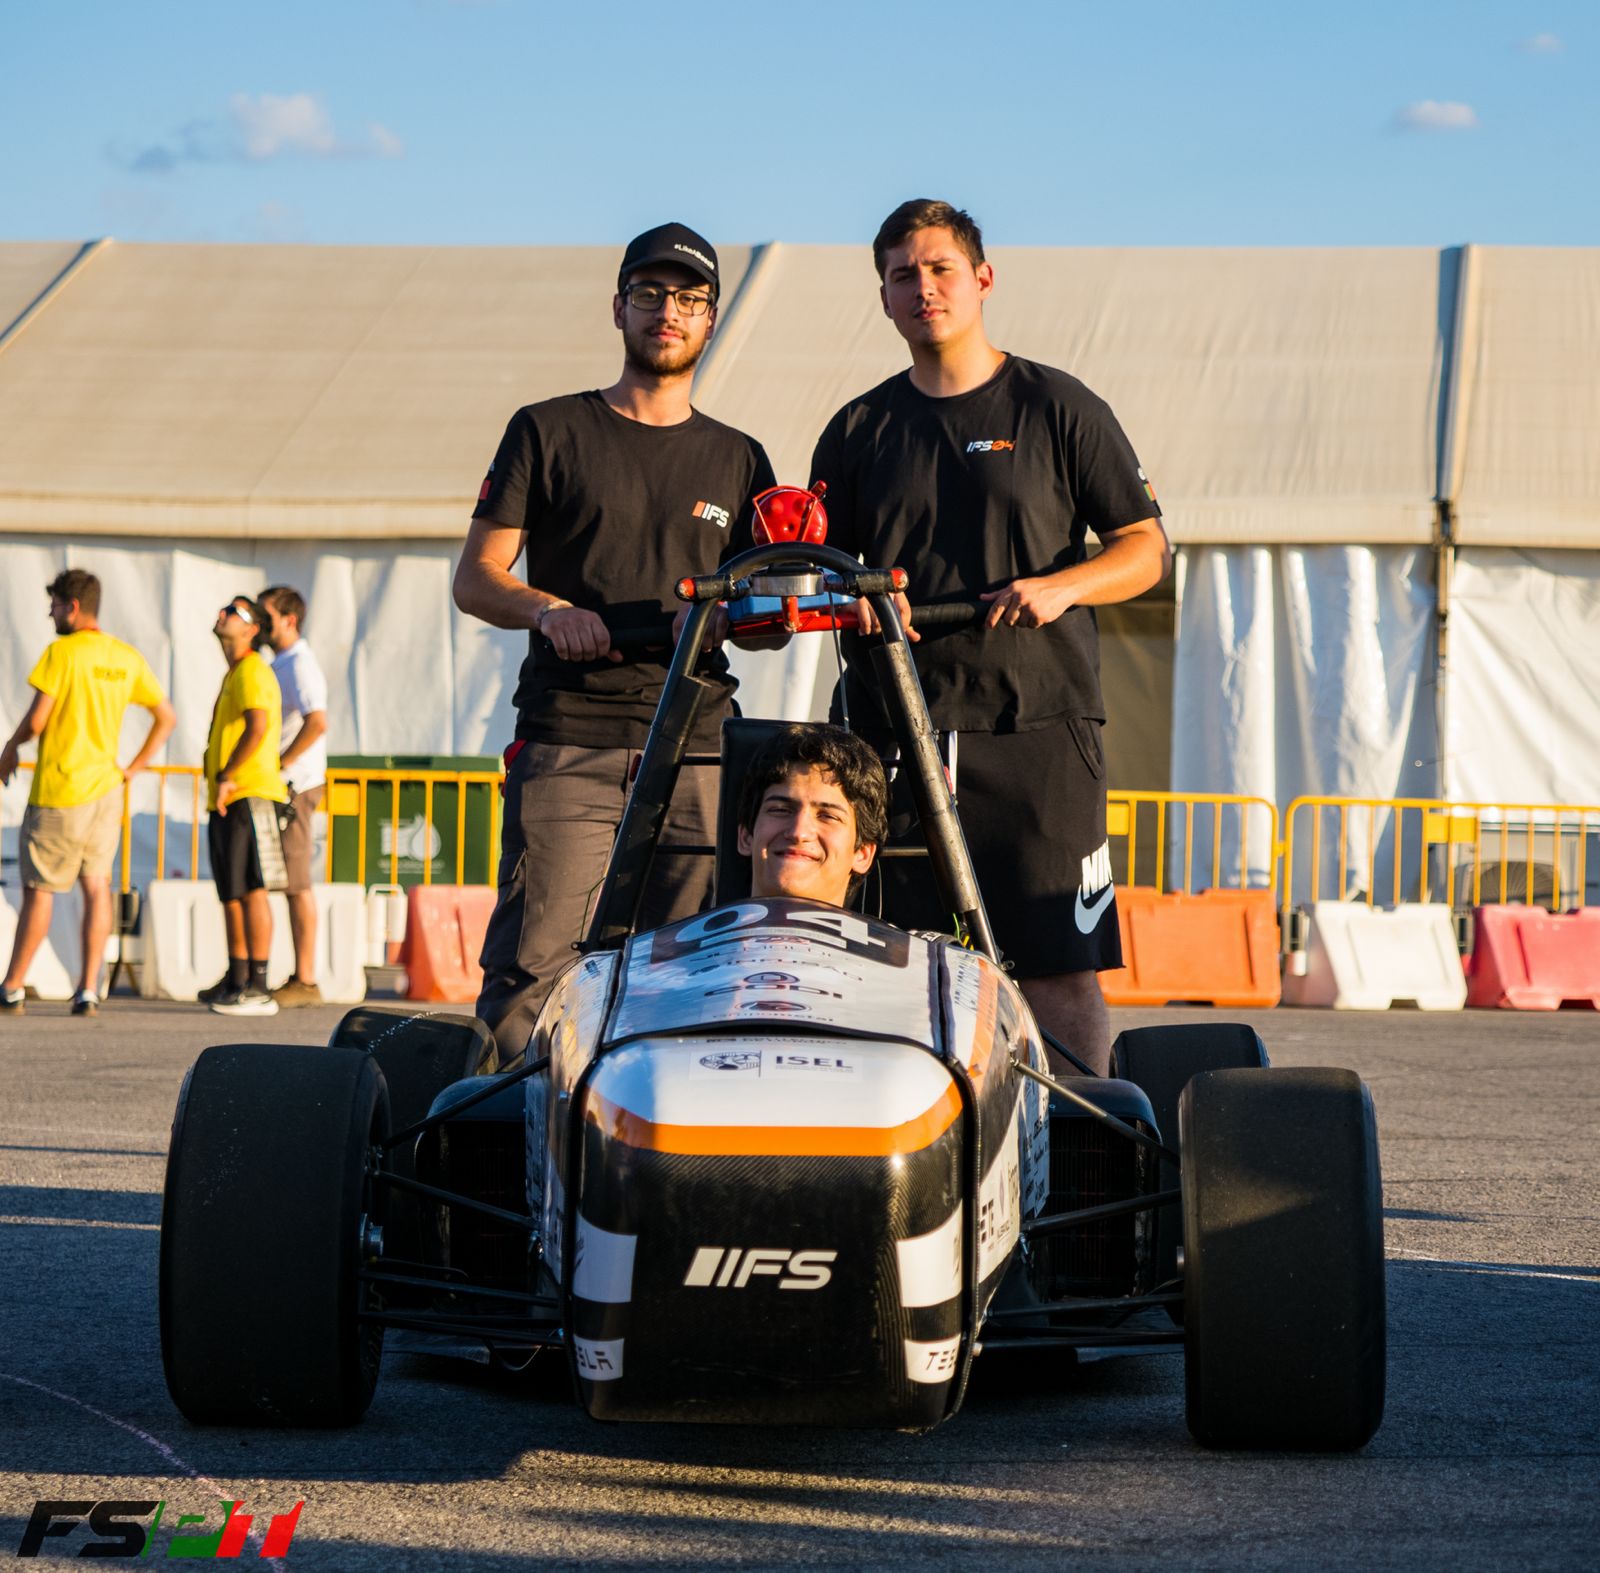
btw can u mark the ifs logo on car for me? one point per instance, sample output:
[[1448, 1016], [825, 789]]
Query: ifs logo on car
[[793, 1269], [122, 1534]]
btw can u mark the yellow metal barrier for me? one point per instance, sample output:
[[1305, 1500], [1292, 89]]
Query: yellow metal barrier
[[161, 775], [350, 794], [1147, 822], [1426, 849]]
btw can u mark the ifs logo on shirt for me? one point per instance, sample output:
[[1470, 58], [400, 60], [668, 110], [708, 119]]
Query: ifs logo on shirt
[[992, 445], [718, 516]]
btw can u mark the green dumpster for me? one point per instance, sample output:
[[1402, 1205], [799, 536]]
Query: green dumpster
[[419, 814]]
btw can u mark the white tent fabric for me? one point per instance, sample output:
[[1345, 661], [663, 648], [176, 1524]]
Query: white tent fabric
[[1527, 434], [407, 673], [194, 420], [1273, 394], [26, 272], [285, 392], [1303, 670], [1523, 712]]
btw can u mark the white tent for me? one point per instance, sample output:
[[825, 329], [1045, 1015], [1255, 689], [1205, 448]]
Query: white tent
[[1333, 433]]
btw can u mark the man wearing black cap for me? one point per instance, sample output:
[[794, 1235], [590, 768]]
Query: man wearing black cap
[[615, 495]]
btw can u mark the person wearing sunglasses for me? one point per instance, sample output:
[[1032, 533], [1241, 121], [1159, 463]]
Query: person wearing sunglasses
[[614, 495], [244, 787]]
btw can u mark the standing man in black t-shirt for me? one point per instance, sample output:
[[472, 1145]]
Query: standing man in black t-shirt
[[615, 495], [980, 474]]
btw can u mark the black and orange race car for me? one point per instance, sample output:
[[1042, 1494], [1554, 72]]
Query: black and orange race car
[[779, 1163]]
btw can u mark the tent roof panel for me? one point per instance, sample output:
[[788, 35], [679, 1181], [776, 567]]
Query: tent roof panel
[[1272, 394], [308, 390], [1530, 419], [27, 269]]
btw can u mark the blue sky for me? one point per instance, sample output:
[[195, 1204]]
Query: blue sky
[[525, 122]]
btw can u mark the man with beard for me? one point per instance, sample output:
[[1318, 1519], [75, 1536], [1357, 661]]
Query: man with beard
[[615, 495], [82, 685]]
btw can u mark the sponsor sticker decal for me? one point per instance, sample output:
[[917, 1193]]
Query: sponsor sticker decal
[[731, 1060]]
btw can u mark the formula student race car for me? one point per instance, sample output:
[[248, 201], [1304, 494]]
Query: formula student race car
[[778, 1163]]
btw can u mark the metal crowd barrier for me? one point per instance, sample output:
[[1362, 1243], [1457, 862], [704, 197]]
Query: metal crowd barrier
[[1401, 850], [1158, 834], [350, 793], [358, 794]]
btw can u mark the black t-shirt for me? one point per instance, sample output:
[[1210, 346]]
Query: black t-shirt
[[616, 513], [967, 493]]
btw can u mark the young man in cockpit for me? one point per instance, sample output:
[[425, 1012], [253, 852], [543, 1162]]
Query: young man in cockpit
[[814, 810]]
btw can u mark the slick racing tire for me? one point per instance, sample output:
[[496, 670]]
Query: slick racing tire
[[1283, 1277], [1161, 1061], [261, 1237], [420, 1054]]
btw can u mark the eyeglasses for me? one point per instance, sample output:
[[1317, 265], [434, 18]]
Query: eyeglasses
[[649, 297], [230, 610]]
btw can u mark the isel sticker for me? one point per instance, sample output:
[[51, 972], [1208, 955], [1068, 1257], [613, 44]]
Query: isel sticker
[[822, 1064]]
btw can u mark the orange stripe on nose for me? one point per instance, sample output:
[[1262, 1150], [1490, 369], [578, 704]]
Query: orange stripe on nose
[[786, 1141]]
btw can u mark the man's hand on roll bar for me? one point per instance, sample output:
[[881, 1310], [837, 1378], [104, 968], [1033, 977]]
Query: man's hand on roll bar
[[1027, 603], [867, 619], [576, 634]]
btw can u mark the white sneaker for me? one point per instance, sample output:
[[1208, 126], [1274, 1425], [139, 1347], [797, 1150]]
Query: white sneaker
[[86, 1003], [245, 1002]]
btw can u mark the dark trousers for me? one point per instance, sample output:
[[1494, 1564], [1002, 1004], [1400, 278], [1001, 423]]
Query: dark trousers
[[563, 806]]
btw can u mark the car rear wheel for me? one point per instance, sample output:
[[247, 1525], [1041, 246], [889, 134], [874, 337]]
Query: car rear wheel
[[262, 1226], [1284, 1275]]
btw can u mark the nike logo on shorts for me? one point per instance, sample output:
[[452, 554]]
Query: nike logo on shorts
[[1087, 914]]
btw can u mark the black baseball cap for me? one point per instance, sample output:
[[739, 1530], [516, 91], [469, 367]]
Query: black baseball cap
[[675, 243]]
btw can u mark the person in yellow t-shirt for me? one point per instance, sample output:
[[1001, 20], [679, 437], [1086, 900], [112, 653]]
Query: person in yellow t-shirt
[[243, 788], [83, 684]]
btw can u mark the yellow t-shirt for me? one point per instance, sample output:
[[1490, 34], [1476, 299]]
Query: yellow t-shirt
[[92, 678], [248, 686]]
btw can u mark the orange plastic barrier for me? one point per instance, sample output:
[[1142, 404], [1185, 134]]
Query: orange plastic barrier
[[1218, 948], [1523, 958], [445, 925]]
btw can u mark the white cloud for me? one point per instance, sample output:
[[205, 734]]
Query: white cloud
[[1542, 44], [384, 142], [1437, 115], [258, 127], [269, 125]]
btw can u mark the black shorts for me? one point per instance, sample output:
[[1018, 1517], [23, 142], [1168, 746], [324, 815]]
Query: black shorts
[[246, 848], [1033, 808]]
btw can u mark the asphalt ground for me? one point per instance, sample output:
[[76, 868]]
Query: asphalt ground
[[1489, 1455]]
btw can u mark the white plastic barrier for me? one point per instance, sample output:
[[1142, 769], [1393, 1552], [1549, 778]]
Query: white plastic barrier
[[183, 947], [386, 924], [341, 942], [1366, 958], [54, 973]]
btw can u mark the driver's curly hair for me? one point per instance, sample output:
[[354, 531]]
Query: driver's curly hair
[[852, 763]]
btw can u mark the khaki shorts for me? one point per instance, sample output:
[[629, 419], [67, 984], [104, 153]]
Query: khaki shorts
[[61, 844], [297, 838]]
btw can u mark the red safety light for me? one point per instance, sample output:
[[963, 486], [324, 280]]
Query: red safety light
[[899, 578], [791, 513], [686, 589]]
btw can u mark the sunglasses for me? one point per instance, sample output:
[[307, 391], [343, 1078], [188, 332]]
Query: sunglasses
[[230, 610]]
